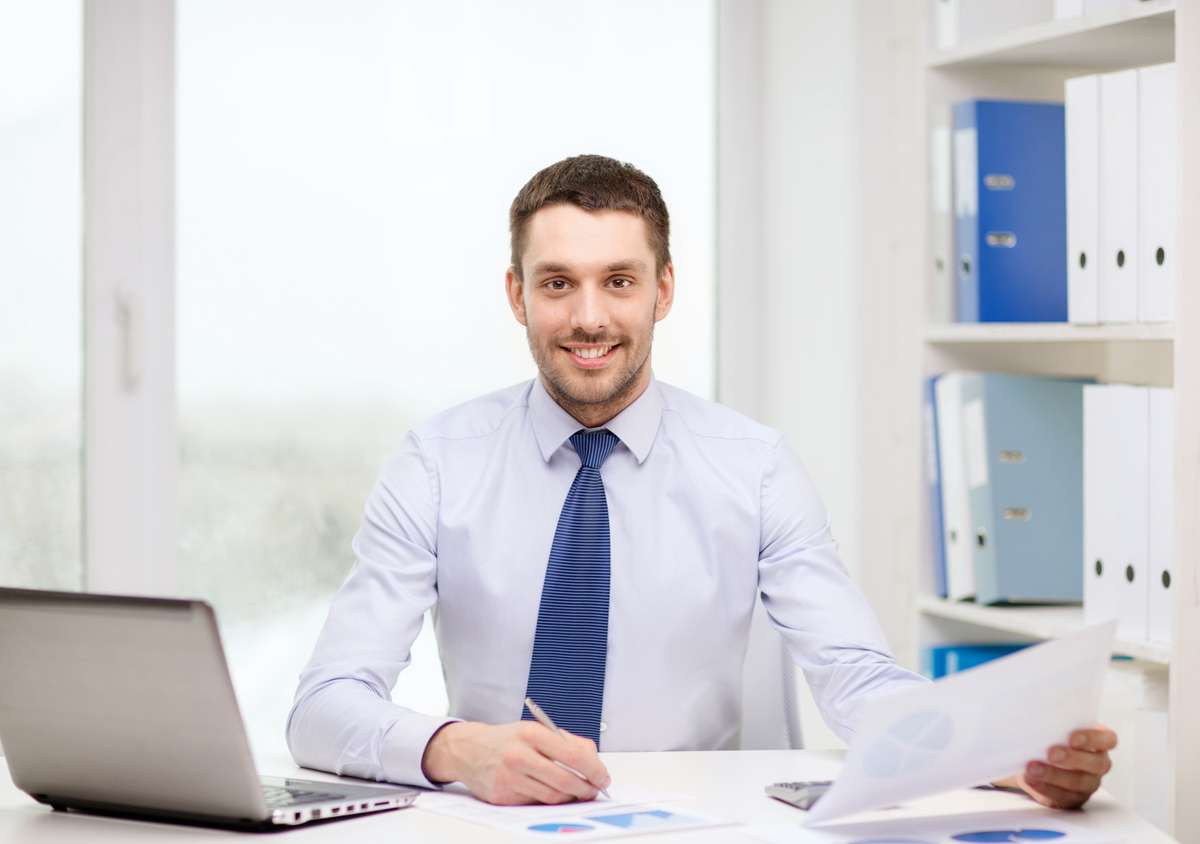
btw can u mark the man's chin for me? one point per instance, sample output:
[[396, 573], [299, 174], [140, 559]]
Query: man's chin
[[595, 393], [586, 388]]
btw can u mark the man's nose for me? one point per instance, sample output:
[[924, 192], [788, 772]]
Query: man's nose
[[589, 313]]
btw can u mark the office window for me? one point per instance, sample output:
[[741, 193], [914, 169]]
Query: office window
[[344, 177], [40, 281]]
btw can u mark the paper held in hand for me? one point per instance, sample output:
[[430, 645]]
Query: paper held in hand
[[971, 728]]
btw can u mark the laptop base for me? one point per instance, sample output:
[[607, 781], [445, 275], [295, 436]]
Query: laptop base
[[142, 813]]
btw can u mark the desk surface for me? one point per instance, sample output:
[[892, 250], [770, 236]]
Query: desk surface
[[723, 784]]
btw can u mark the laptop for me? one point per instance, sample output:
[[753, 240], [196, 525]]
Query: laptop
[[124, 706]]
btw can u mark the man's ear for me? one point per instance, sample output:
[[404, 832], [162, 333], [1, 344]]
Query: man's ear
[[515, 289], [666, 292]]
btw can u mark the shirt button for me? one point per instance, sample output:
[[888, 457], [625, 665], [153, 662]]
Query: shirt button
[[603, 726]]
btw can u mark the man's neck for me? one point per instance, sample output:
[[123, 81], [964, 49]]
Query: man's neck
[[596, 415]]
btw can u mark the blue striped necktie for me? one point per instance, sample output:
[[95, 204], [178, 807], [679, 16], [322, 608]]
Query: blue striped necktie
[[566, 674]]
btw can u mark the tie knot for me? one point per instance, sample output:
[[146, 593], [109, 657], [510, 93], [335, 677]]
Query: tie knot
[[594, 446]]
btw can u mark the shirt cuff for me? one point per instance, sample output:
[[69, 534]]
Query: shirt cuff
[[404, 746]]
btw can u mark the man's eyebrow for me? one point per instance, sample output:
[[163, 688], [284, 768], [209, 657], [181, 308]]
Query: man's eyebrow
[[616, 266], [549, 267], [627, 265]]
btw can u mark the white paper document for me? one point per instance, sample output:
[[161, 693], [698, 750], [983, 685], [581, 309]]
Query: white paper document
[[971, 728], [630, 812], [1023, 827]]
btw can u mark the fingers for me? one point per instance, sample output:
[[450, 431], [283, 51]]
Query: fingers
[[526, 789], [1073, 771], [1053, 796], [529, 759], [526, 776], [1094, 739], [1079, 760], [1079, 783], [540, 792], [575, 751], [560, 779]]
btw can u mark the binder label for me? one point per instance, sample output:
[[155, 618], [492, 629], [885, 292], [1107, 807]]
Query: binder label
[[975, 434], [942, 185], [966, 173]]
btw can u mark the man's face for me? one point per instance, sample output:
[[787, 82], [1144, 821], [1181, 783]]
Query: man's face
[[589, 301]]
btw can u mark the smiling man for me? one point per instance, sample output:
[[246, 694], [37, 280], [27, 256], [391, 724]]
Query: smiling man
[[594, 540]]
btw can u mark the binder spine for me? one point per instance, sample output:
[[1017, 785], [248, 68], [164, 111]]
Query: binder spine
[[975, 452], [934, 480], [1083, 198], [1022, 212], [966, 213]]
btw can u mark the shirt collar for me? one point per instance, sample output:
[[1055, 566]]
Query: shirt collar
[[636, 426]]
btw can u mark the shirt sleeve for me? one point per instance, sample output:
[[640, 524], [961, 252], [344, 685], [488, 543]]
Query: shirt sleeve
[[343, 719], [827, 625]]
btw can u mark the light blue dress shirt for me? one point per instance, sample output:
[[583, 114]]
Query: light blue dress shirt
[[707, 509]]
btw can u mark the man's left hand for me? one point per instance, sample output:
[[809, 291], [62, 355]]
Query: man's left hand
[[1071, 772]]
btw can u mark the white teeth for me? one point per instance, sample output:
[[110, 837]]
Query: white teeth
[[593, 353]]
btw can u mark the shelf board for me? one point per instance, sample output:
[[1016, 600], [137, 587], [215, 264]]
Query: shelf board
[[1033, 623], [1103, 42], [1047, 332]]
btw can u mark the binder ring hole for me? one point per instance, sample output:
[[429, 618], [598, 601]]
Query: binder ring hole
[[1129, 573], [1083, 260], [1166, 580], [981, 539], [966, 266], [954, 536], [940, 265], [1120, 257], [1099, 568], [1159, 256]]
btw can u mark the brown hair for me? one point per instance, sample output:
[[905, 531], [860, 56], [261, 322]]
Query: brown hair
[[593, 183]]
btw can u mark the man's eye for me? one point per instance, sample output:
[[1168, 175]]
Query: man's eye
[[621, 282], [557, 284]]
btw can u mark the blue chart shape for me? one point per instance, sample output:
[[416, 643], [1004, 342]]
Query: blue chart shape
[[1010, 835], [642, 820], [911, 744], [560, 827]]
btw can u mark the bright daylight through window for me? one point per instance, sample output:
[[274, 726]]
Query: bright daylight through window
[[344, 176], [40, 277]]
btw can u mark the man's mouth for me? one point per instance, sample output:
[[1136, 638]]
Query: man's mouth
[[591, 355]]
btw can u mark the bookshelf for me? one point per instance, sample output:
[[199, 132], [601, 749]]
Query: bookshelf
[[907, 338], [1033, 624], [1047, 332], [1141, 36]]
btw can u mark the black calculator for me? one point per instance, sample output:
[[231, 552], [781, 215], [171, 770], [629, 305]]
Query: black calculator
[[802, 795]]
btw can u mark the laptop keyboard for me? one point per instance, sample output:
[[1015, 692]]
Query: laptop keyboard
[[277, 796]]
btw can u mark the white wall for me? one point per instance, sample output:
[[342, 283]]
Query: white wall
[[810, 259], [789, 257], [373, 157]]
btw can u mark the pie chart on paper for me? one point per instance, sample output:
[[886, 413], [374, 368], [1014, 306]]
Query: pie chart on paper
[[561, 828], [1010, 835]]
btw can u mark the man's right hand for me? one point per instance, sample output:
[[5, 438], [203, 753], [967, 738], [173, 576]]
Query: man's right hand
[[511, 764]]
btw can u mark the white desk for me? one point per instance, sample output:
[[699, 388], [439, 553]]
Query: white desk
[[728, 785]]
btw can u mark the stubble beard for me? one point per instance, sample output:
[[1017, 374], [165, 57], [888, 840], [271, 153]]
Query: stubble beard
[[559, 384]]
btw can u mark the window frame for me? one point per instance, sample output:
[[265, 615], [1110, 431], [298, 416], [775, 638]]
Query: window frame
[[130, 510]]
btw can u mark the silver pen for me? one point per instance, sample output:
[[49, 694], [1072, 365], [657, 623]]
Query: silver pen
[[544, 719]]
